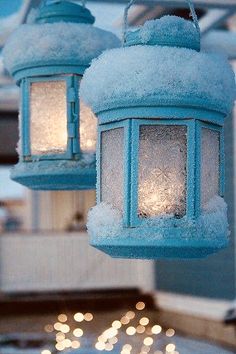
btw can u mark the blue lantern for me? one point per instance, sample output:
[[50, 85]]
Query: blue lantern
[[47, 58], [161, 105]]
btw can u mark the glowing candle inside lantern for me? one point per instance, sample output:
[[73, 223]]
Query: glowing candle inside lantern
[[162, 170], [88, 129], [48, 117]]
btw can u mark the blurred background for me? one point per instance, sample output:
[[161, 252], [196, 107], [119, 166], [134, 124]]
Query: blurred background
[[57, 294]]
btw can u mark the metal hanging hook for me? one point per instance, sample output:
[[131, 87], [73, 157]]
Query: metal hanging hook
[[131, 2]]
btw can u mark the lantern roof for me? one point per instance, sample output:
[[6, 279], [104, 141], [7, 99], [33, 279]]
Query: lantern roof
[[64, 11], [56, 45], [152, 70], [171, 31]]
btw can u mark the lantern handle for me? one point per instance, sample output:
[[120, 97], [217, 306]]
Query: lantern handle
[[131, 2]]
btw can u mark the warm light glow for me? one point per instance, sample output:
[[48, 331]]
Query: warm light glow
[[144, 321], [109, 347], [102, 338], [57, 326], [48, 117], [140, 306], [170, 347], [130, 331], [116, 324], [140, 329], [100, 346], [75, 344], [170, 332], [127, 347], [49, 328], [125, 320], [156, 329], [60, 346], [65, 328], [78, 317], [111, 332], [88, 129], [148, 341], [78, 332], [130, 315], [67, 343], [88, 317], [62, 317], [113, 340], [60, 337], [145, 349], [46, 352], [162, 171]]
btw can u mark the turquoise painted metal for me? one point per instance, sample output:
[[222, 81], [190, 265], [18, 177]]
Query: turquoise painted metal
[[192, 235], [74, 169]]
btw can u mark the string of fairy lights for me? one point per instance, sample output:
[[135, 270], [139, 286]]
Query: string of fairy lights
[[135, 329]]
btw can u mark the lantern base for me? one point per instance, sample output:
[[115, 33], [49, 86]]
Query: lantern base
[[158, 249], [55, 175]]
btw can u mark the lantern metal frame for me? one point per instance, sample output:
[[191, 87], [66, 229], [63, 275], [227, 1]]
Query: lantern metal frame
[[72, 88], [175, 245]]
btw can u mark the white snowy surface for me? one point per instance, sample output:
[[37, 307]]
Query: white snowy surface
[[169, 26], [135, 73], [105, 221], [56, 42]]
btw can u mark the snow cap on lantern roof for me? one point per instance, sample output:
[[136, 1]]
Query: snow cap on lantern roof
[[64, 11], [54, 46], [152, 71], [170, 31]]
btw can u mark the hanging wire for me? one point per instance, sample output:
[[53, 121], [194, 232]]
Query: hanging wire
[[194, 15], [125, 22], [131, 2]]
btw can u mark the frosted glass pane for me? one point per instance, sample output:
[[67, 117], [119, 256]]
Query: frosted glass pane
[[210, 164], [162, 171], [48, 117], [112, 167], [88, 129]]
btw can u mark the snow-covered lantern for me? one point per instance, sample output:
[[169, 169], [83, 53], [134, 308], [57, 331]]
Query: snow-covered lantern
[[161, 104], [47, 58]]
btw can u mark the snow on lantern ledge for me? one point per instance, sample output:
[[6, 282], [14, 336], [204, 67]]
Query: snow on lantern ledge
[[161, 105], [57, 130]]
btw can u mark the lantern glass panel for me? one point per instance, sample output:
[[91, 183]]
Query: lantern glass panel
[[48, 117], [162, 170], [210, 164], [112, 167], [88, 129]]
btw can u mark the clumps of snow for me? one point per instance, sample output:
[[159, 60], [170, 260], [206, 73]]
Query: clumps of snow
[[56, 42], [169, 27], [104, 221], [213, 220], [144, 75], [86, 160]]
